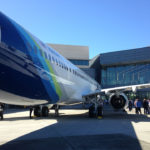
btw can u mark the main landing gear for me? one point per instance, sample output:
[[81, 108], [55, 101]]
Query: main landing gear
[[41, 111], [96, 101], [96, 110]]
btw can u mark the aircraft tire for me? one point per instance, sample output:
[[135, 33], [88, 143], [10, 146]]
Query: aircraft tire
[[37, 112], [45, 111]]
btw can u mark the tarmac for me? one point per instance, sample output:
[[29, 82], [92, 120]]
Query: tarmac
[[74, 130]]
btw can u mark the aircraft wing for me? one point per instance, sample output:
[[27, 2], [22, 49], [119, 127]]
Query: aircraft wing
[[133, 88]]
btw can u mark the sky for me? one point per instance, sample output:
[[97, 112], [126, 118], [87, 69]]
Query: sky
[[103, 25]]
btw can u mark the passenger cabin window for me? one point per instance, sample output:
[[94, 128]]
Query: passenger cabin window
[[53, 60], [59, 64], [56, 62]]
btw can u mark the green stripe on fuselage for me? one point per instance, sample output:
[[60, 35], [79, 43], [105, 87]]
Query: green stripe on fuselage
[[57, 86]]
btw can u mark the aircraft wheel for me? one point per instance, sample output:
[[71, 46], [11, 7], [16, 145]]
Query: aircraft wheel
[[45, 111], [37, 111]]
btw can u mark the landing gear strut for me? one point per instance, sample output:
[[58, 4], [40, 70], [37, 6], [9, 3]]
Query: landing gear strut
[[56, 110], [96, 101]]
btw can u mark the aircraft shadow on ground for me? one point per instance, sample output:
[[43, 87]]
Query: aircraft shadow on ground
[[80, 132]]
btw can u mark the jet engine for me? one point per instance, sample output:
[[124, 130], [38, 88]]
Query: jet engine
[[118, 101]]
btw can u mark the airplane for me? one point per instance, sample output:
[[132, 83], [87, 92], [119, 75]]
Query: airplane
[[34, 74]]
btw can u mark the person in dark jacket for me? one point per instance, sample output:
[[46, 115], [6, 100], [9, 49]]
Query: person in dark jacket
[[130, 105], [148, 106], [100, 107], [139, 105], [1, 110], [145, 106]]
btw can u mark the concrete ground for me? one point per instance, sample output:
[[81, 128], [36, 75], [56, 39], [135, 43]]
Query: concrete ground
[[74, 130]]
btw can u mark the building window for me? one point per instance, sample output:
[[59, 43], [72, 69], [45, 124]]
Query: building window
[[125, 75], [80, 62]]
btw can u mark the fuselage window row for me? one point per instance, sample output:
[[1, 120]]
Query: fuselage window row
[[60, 64]]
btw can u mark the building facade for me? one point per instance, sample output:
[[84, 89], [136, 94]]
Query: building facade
[[121, 68]]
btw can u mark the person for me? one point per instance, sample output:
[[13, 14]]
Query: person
[[149, 106], [106, 101], [31, 110], [130, 105], [139, 105], [1, 110], [145, 106], [135, 105], [100, 107]]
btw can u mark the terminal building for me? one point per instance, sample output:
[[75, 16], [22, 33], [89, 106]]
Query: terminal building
[[122, 68], [119, 68]]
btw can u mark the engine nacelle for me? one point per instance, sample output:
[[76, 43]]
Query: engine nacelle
[[118, 101]]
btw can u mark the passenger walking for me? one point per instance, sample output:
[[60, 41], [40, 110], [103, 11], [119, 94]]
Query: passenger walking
[[145, 106], [1, 110], [100, 109], [130, 105], [139, 105], [135, 105], [149, 106]]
